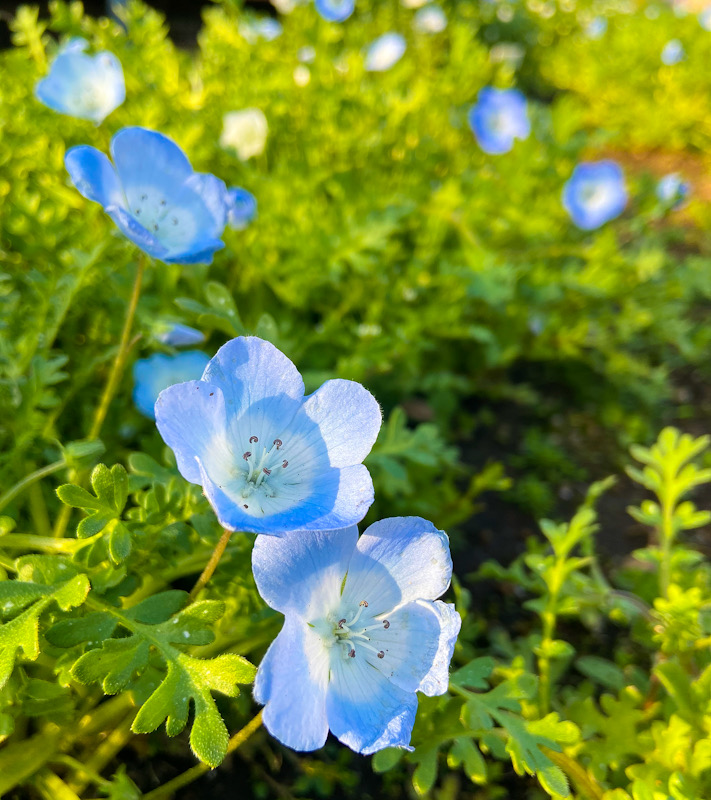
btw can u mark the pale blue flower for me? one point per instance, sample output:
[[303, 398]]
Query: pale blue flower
[[385, 52], [673, 52], [595, 193], [175, 334], [430, 19], [266, 28], [363, 632], [153, 195], [306, 54], [596, 28], [243, 208], [672, 190], [83, 86], [152, 375], [335, 10], [499, 117], [705, 19], [269, 459]]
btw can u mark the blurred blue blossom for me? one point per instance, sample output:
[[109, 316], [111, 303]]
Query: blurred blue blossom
[[595, 193], [673, 190], [596, 28], [269, 459], [175, 334], [363, 632], [673, 52], [430, 19], [261, 27], [705, 19], [153, 195], [499, 117], [385, 52], [152, 375], [243, 208], [83, 86], [335, 10], [306, 54]]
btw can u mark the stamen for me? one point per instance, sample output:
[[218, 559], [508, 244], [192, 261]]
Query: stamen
[[144, 197], [247, 455], [386, 624], [381, 654], [341, 623], [266, 471], [363, 603], [278, 443], [351, 653], [162, 202], [253, 439], [284, 464]]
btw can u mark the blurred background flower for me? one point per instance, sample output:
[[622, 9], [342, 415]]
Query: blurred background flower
[[499, 117], [385, 52], [245, 132], [595, 194], [157, 372]]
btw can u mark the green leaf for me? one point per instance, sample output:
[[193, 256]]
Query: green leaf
[[425, 773], [385, 760], [601, 671], [474, 675]]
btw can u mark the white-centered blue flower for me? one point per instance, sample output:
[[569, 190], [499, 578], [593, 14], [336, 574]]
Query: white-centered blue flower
[[430, 19], [673, 52], [595, 193], [672, 190], [363, 632], [176, 334], [269, 459], [152, 375], [335, 10], [83, 86], [153, 195], [243, 208], [499, 117], [385, 52]]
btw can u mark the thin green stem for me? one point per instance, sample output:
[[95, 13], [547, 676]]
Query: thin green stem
[[28, 541], [211, 565], [28, 480], [585, 783], [170, 788]]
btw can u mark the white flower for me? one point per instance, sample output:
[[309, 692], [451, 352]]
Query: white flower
[[245, 132]]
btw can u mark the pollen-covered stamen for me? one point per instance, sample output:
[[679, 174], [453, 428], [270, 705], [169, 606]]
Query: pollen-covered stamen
[[261, 464], [253, 439], [386, 624], [278, 443]]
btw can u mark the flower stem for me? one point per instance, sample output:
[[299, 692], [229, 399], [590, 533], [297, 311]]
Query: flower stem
[[28, 480], [211, 565], [170, 788], [586, 784], [121, 355]]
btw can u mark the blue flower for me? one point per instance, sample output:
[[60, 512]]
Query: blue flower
[[243, 208], [499, 117], [385, 52], [363, 632], [83, 86], [152, 375], [155, 197], [269, 459], [176, 334], [673, 52], [596, 28], [335, 10], [430, 19], [595, 194], [672, 190], [705, 19]]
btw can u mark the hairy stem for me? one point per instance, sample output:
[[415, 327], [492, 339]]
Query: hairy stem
[[170, 788], [211, 565], [585, 783]]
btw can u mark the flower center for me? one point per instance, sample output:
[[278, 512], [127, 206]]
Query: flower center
[[351, 636], [155, 215], [261, 464]]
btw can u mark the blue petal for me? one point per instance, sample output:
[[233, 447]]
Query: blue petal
[[415, 555], [134, 231], [191, 419], [347, 418], [213, 193], [179, 335], [254, 375], [152, 375], [436, 681], [298, 572], [335, 10], [243, 207], [365, 711], [94, 176], [291, 681]]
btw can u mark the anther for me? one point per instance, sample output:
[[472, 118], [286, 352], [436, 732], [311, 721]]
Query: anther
[[266, 471], [351, 653], [386, 624], [155, 227], [144, 196], [253, 439], [381, 654], [138, 212], [246, 506], [285, 463], [174, 220], [162, 202], [247, 455], [341, 622], [364, 603], [278, 443]]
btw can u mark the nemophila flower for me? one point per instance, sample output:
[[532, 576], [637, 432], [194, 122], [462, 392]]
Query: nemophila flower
[[596, 28], [266, 28], [176, 334], [363, 632], [430, 19], [705, 19], [499, 117], [245, 132], [152, 375], [153, 195], [242, 208], [335, 10], [306, 54], [385, 52], [673, 52], [595, 194], [269, 459], [672, 190], [83, 86]]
